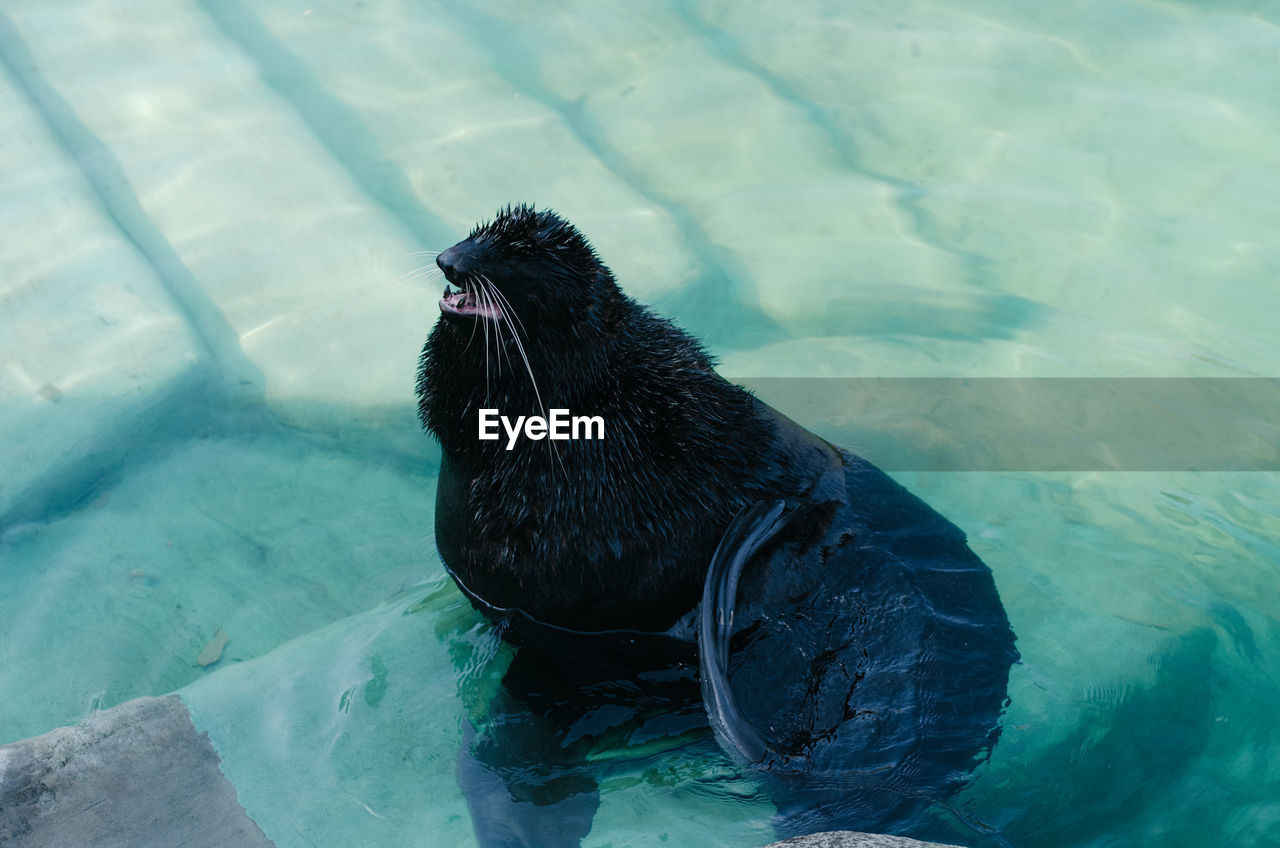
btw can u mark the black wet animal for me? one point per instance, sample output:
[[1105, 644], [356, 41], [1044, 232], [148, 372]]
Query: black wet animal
[[708, 559]]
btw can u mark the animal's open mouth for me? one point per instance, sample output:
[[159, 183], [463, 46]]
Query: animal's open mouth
[[466, 304]]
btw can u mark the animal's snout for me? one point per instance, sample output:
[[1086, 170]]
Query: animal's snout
[[455, 262]]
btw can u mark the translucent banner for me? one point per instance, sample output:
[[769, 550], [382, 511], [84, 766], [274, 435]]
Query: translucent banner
[[1042, 424]]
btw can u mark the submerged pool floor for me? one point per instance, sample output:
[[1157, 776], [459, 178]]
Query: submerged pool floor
[[212, 299]]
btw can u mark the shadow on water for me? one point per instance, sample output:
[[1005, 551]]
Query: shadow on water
[[1125, 759]]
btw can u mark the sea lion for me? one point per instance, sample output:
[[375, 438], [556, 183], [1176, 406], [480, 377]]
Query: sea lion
[[849, 647]]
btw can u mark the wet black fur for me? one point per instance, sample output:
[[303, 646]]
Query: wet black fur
[[599, 534]]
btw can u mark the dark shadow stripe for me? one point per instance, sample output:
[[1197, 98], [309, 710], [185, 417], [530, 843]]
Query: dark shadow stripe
[[106, 178], [713, 305], [191, 405], [333, 123]]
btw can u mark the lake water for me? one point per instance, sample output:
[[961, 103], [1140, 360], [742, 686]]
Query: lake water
[[210, 318]]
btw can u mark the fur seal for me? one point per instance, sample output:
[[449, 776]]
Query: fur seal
[[845, 643]]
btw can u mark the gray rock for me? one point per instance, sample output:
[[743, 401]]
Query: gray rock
[[850, 839], [134, 776]]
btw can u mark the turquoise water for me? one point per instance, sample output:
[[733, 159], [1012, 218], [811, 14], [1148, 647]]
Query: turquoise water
[[210, 319]]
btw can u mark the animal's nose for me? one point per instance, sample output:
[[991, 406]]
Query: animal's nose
[[453, 262]]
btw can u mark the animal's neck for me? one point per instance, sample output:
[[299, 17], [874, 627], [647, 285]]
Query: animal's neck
[[463, 373]]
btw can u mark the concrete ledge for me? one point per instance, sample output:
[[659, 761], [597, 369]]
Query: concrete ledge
[[134, 776]]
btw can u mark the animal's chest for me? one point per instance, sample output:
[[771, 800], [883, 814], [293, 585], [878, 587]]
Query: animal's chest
[[581, 551], [511, 535]]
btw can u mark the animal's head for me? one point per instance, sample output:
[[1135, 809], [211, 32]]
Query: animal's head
[[525, 273]]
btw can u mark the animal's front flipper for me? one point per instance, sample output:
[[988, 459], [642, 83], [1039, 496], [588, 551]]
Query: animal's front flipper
[[750, 530]]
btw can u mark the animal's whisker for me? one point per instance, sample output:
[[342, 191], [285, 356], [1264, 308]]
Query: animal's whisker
[[470, 337], [485, 296], [486, 350], [508, 312], [423, 273], [510, 309], [497, 307], [519, 346]]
